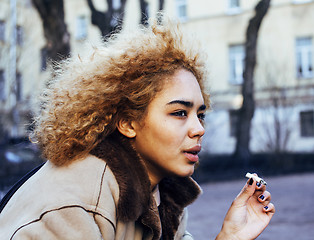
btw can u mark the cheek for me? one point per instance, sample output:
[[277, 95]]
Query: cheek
[[169, 134]]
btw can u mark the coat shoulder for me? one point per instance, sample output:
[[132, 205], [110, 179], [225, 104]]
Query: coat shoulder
[[81, 186]]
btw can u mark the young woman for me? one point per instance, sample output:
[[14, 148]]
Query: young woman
[[121, 129]]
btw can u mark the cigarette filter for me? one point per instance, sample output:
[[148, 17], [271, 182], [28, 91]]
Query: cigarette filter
[[256, 178]]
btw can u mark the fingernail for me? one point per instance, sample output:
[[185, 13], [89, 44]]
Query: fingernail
[[258, 184], [262, 197], [251, 181], [266, 207]]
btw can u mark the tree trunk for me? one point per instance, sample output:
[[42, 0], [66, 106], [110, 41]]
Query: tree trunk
[[55, 29], [161, 8], [246, 112], [161, 5], [110, 21], [144, 12]]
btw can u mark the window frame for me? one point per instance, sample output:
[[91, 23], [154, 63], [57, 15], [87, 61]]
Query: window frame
[[2, 85], [307, 124], [181, 4], [44, 59], [233, 9], [301, 1], [2, 31], [18, 87], [81, 28], [233, 122], [116, 4], [236, 63], [304, 57], [19, 35]]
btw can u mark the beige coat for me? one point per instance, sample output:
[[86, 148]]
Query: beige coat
[[87, 200]]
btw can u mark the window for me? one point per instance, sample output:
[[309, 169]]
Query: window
[[2, 86], [181, 9], [44, 56], [304, 57], [2, 31], [301, 1], [233, 6], [81, 28], [233, 122], [18, 87], [234, 3], [19, 35], [116, 4], [236, 64], [28, 3], [307, 123]]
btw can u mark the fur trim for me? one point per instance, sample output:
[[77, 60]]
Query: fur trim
[[175, 194], [136, 202], [130, 173]]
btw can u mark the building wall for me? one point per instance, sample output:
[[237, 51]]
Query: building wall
[[214, 26], [275, 77], [15, 112]]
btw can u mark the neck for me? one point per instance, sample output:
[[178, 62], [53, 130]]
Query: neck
[[154, 174], [153, 182]]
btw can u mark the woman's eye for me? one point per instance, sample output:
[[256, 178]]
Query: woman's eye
[[201, 116], [179, 114]]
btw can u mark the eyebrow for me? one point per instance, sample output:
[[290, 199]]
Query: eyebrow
[[186, 104]]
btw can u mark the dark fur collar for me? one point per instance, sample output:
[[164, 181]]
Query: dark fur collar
[[135, 200]]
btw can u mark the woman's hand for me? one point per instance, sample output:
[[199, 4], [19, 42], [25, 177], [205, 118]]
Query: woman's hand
[[249, 214]]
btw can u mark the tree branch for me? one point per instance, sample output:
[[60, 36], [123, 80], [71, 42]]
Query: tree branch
[[109, 21], [55, 29]]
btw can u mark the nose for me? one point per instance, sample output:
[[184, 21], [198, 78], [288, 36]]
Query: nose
[[196, 128]]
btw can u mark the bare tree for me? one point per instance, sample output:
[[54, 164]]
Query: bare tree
[[161, 5], [161, 8], [55, 29], [246, 112], [274, 131], [109, 21], [11, 62], [276, 127], [144, 12]]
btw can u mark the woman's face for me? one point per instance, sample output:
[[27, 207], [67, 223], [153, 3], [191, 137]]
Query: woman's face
[[169, 136]]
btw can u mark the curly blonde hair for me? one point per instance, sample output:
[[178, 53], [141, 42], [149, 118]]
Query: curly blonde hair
[[117, 80]]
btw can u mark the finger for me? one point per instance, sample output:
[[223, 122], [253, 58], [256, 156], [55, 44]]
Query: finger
[[260, 187], [259, 190], [264, 197], [269, 209], [246, 192], [259, 184]]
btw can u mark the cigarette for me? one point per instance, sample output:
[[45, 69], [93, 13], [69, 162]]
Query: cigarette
[[256, 178]]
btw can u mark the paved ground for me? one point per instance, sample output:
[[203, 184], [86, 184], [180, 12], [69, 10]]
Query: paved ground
[[293, 196]]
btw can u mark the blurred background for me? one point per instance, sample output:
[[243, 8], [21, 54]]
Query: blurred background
[[260, 78]]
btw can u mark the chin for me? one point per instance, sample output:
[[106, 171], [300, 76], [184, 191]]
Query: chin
[[186, 172]]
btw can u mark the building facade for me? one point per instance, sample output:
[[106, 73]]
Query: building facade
[[284, 81]]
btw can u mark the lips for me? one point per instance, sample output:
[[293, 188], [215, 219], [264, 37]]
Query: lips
[[192, 153]]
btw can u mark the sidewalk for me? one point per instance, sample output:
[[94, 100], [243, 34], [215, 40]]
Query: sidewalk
[[293, 196]]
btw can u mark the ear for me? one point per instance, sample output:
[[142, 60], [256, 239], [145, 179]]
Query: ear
[[126, 128]]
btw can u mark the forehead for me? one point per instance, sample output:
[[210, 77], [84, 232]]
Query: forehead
[[181, 85]]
